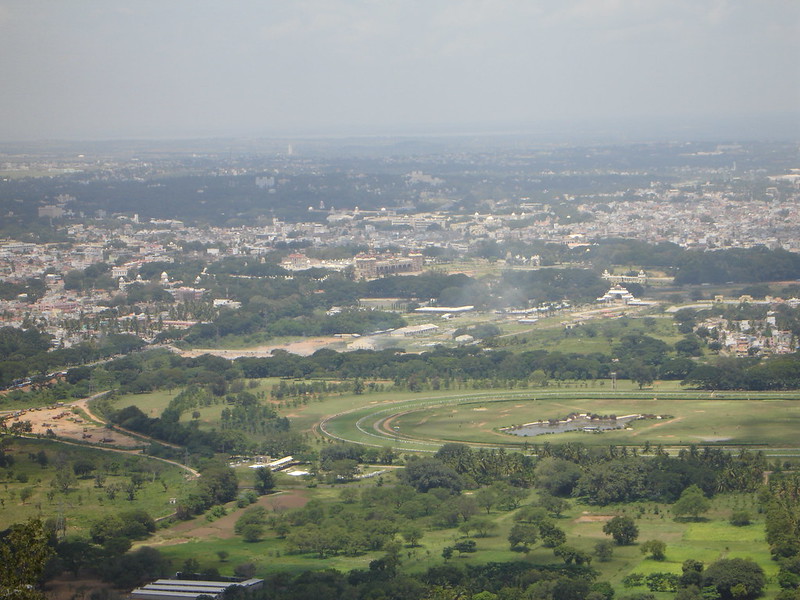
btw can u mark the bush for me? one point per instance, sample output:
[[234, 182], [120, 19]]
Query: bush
[[740, 518]]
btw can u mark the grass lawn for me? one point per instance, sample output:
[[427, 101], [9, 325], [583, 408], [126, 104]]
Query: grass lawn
[[424, 421], [152, 404], [84, 502], [707, 540]]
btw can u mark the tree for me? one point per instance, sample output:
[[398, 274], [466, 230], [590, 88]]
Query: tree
[[692, 574], [522, 536], [656, 549], [344, 469], [24, 552], [412, 534], [25, 494], [641, 373], [486, 498], [264, 480], [63, 480], [557, 476], [692, 502], [75, 554], [604, 550], [622, 529], [83, 468], [552, 504], [191, 565], [552, 536], [252, 532], [427, 473], [482, 526], [735, 578], [569, 555], [251, 524]]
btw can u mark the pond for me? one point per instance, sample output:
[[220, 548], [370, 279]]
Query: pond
[[571, 423]]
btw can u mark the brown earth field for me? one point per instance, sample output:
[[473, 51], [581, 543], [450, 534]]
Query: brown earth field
[[222, 528], [305, 347], [65, 423]]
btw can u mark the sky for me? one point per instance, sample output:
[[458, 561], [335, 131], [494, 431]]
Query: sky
[[111, 69]]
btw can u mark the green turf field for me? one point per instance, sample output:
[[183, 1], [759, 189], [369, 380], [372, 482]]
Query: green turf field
[[425, 422], [708, 540], [84, 501]]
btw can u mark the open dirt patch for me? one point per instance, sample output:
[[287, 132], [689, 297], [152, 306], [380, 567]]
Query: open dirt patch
[[67, 424], [305, 347], [594, 518], [222, 528], [65, 587]]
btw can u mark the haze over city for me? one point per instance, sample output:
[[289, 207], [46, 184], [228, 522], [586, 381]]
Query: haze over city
[[187, 69]]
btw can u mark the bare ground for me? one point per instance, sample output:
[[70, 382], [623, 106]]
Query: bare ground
[[304, 347], [66, 424], [593, 518], [222, 528]]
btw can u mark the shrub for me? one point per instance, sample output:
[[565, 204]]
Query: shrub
[[740, 518]]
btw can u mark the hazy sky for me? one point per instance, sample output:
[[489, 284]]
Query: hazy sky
[[97, 69]]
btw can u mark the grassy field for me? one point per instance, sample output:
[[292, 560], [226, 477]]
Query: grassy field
[[707, 540], [151, 404], [84, 502], [424, 422]]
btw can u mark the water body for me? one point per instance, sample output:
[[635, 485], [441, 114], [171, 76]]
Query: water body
[[580, 423]]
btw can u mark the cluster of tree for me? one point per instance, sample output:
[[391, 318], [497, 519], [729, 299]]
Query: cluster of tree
[[25, 353], [637, 356], [599, 475], [32, 289], [32, 552], [551, 285], [664, 478], [93, 277], [159, 369], [117, 532], [775, 373], [737, 265], [385, 578], [331, 454], [480, 331], [217, 484], [741, 265], [245, 322], [371, 518], [254, 418], [483, 466], [309, 389], [188, 435], [780, 501], [724, 579]]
